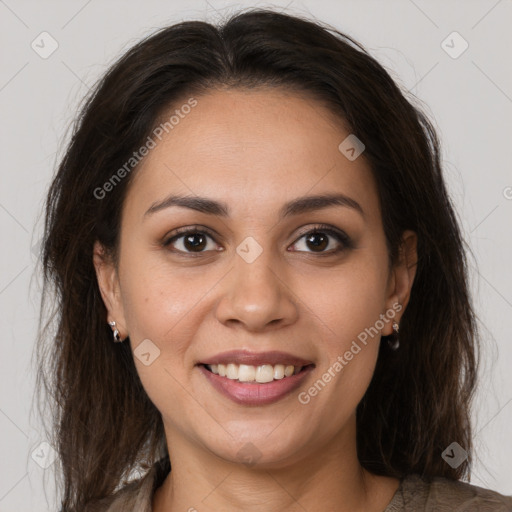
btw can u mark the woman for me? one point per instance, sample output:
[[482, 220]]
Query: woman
[[261, 283]]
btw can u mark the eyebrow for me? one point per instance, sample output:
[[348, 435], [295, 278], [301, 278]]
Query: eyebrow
[[297, 206]]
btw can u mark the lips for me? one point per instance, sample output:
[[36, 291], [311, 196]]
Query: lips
[[255, 394], [268, 390]]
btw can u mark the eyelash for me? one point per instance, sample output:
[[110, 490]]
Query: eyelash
[[340, 236]]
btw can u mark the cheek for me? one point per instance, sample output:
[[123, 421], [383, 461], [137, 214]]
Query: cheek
[[348, 302], [155, 300], [347, 308], [158, 307]]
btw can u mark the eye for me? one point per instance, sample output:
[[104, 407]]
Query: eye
[[194, 240], [319, 240], [190, 240]]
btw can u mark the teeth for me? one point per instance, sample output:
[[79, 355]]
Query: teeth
[[232, 371], [248, 373], [264, 373], [278, 371]]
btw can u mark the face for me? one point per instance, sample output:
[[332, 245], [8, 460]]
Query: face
[[252, 275]]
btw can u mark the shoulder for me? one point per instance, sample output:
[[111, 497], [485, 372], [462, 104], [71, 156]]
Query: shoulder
[[442, 494], [127, 499], [135, 496]]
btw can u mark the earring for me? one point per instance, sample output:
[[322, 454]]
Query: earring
[[117, 338], [394, 342]]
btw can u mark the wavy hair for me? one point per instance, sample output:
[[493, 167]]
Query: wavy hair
[[103, 425]]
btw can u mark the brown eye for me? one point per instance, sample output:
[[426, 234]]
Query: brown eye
[[319, 240], [190, 241]]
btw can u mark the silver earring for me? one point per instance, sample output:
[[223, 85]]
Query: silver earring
[[117, 338], [394, 342]]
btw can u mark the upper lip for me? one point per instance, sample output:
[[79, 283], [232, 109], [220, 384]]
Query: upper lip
[[256, 358]]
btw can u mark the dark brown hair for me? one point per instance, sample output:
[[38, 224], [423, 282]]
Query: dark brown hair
[[103, 423]]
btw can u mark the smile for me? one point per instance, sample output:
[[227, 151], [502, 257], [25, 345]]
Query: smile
[[255, 385]]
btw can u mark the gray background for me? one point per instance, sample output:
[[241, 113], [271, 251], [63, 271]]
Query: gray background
[[469, 98]]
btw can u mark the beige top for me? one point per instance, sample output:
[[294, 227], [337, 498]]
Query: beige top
[[413, 495]]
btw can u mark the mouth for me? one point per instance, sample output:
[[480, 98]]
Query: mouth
[[255, 379]]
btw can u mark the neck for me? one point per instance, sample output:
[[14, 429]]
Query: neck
[[328, 477]]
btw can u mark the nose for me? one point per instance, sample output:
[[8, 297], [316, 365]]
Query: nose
[[256, 295]]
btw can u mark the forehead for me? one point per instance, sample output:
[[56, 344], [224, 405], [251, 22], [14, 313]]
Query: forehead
[[252, 149]]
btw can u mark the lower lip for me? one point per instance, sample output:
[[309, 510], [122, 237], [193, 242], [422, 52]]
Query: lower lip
[[253, 393]]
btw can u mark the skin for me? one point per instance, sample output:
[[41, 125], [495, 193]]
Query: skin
[[256, 150]]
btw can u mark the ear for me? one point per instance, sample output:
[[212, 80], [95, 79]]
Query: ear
[[108, 283], [402, 277]]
